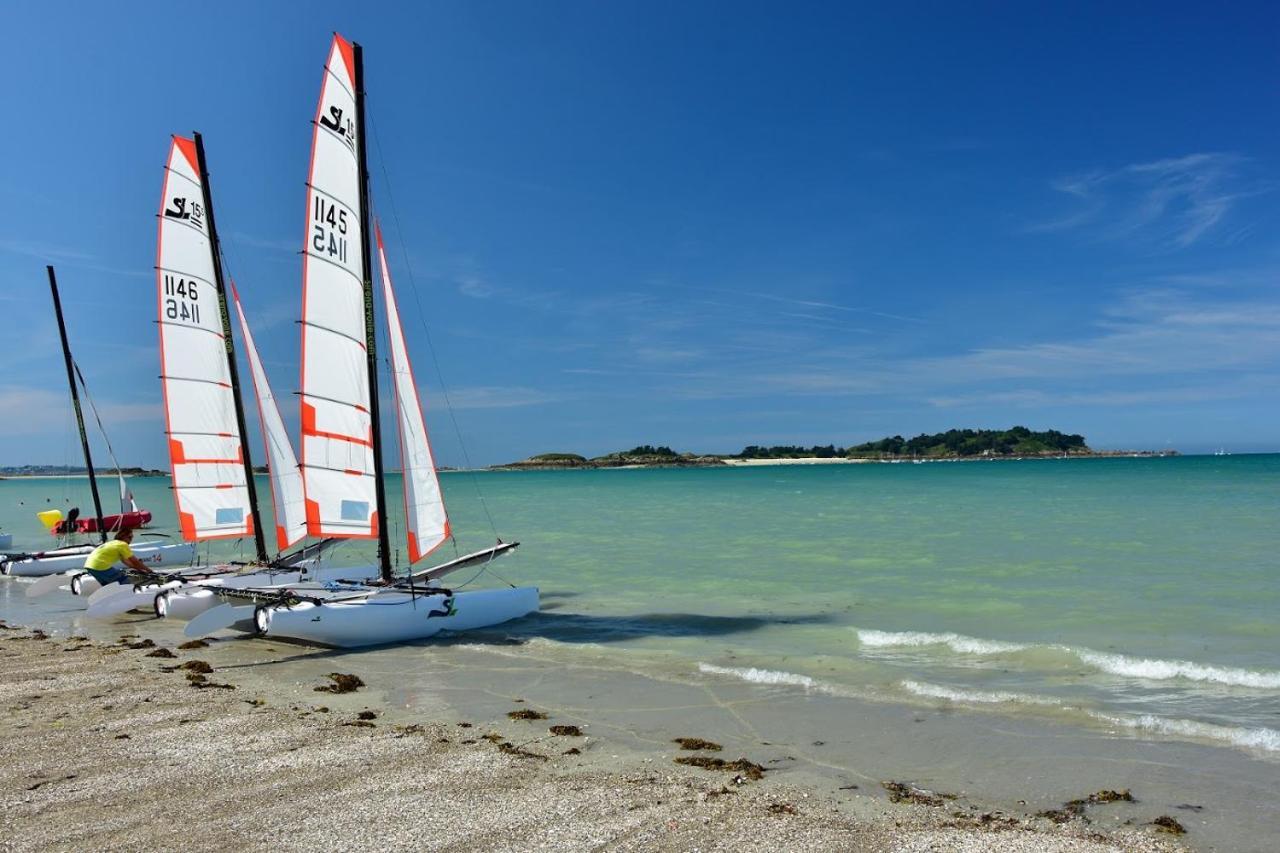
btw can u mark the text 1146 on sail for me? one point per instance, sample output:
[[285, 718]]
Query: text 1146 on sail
[[181, 298]]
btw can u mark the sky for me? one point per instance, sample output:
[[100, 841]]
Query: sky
[[699, 224]]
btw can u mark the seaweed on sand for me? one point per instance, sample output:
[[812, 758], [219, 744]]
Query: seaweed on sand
[[566, 731], [694, 743], [905, 792], [749, 769], [526, 714], [342, 683]]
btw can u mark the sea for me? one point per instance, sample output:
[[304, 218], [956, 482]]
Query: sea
[[1015, 627]]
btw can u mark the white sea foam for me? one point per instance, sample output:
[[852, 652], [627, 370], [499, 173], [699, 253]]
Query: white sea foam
[[764, 676], [1152, 669], [984, 697], [958, 643], [1159, 670], [1264, 739]]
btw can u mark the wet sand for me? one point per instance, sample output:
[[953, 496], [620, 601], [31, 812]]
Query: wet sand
[[104, 749]]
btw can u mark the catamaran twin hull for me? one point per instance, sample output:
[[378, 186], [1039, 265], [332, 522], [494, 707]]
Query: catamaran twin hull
[[177, 599], [69, 559], [392, 616]]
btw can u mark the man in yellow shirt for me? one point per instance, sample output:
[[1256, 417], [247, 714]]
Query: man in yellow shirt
[[102, 562]]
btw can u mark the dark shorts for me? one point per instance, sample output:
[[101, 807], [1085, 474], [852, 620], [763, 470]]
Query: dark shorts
[[106, 576]]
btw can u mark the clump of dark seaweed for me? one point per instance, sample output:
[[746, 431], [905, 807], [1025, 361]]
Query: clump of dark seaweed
[[141, 644], [194, 644], [197, 666], [905, 792], [342, 683], [511, 749], [749, 769], [693, 743], [566, 731], [1164, 823], [781, 808], [160, 653], [367, 715], [526, 714]]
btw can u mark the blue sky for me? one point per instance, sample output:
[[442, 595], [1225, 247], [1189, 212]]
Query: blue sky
[[697, 224]]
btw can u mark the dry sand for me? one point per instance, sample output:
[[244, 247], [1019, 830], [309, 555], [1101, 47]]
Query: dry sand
[[105, 750]]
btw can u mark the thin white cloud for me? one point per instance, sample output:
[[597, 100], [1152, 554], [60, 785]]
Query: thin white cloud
[[493, 397], [37, 411], [1175, 201]]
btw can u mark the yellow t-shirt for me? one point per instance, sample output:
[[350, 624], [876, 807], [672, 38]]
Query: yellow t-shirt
[[107, 555]]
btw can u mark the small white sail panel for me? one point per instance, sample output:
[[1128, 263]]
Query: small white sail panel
[[337, 432], [205, 445], [286, 479], [426, 522]]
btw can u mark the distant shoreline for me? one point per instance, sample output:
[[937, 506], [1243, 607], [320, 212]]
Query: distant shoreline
[[759, 462]]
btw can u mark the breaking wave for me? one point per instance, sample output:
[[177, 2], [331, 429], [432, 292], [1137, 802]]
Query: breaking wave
[[983, 697], [1251, 738], [765, 676], [1151, 669]]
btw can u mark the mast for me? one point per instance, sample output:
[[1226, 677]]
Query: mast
[[366, 267], [75, 402], [259, 540]]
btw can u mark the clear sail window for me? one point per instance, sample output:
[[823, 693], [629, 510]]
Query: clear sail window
[[355, 510], [229, 515]]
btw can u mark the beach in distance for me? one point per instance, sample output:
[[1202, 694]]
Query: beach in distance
[[1018, 636]]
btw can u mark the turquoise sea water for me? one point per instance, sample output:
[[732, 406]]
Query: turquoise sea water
[[1123, 594]]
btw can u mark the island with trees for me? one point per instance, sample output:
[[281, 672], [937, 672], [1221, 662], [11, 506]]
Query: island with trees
[[957, 444]]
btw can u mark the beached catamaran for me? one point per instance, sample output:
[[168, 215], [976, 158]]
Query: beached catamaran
[[65, 566], [342, 454], [214, 490]]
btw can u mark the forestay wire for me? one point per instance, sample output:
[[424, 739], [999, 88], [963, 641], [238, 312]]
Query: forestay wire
[[422, 319]]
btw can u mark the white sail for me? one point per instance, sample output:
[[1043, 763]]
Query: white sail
[[337, 432], [426, 522], [286, 479], [205, 445]]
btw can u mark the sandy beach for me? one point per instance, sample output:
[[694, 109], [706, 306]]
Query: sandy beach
[[129, 744]]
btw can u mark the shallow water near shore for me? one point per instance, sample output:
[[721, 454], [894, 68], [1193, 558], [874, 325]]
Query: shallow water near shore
[[1024, 630]]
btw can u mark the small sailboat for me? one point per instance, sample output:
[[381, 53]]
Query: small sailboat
[[71, 559], [342, 454], [214, 489]]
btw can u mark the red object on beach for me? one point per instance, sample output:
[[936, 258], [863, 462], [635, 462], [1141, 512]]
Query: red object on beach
[[140, 518]]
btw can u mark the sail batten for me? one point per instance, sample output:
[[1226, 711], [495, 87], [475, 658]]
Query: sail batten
[[337, 449], [426, 521], [206, 450]]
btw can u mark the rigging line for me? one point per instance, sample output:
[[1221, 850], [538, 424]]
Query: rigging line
[[88, 397], [422, 319]]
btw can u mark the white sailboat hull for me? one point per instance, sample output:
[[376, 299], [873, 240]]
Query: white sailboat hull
[[178, 554], [190, 600], [394, 616]]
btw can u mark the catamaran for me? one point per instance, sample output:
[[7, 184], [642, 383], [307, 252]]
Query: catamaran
[[65, 566], [213, 484], [342, 454]]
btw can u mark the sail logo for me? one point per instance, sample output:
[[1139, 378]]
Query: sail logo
[[186, 210], [345, 129]]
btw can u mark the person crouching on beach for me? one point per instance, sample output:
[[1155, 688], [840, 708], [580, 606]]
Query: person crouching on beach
[[102, 561]]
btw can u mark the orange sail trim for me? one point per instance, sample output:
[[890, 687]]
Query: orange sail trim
[[348, 55], [188, 149], [309, 428]]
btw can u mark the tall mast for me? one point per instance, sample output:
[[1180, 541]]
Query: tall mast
[[259, 540], [366, 267], [75, 402]]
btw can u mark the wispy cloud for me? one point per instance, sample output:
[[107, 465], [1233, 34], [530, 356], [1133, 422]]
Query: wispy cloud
[[1176, 201], [43, 410], [66, 256], [496, 397]]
